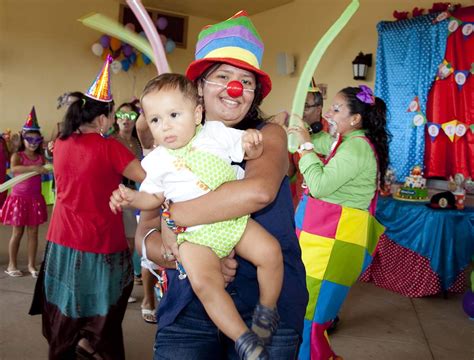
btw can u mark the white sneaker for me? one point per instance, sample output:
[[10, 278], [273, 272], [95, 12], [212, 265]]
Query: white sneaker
[[132, 299]]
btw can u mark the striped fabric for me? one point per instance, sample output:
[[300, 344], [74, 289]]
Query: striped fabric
[[235, 37], [337, 245]]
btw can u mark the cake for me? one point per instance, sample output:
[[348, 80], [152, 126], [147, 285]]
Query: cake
[[414, 187]]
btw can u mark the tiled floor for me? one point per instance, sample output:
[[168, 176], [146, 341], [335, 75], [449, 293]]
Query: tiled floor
[[375, 323]]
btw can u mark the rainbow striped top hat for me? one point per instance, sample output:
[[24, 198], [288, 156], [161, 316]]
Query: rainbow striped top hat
[[31, 122], [234, 41], [100, 88]]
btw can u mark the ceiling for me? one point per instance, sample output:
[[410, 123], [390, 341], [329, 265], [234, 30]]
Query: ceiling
[[214, 9]]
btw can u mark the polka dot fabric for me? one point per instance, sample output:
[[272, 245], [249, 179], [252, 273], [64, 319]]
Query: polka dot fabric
[[403, 271], [408, 55], [24, 211]]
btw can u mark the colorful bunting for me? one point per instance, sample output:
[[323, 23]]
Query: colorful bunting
[[419, 119], [450, 129], [467, 29], [460, 130], [433, 130], [414, 105], [444, 70], [454, 24], [460, 76], [442, 16]]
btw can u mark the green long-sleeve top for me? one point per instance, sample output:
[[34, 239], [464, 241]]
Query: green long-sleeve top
[[349, 178]]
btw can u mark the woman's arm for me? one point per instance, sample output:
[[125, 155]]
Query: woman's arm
[[134, 171], [323, 180], [263, 177], [154, 245]]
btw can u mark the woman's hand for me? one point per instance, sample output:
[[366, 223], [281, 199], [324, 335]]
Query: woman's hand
[[302, 134], [170, 245], [229, 267]]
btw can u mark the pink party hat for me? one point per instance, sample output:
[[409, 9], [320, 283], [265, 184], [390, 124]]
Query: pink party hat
[[100, 88]]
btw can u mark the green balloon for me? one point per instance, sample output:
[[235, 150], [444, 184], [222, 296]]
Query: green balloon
[[310, 68]]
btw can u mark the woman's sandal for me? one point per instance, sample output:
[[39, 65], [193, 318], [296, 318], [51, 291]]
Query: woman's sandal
[[149, 315], [83, 354], [249, 346], [265, 322]]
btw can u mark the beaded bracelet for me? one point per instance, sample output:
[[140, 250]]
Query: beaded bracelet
[[171, 224]]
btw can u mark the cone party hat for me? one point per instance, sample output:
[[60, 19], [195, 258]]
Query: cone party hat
[[31, 122], [100, 88], [313, 87]]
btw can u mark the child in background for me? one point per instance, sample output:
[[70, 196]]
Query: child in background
[[25, 206], [190, 161]]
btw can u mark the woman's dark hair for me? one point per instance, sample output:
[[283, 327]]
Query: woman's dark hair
[[374, 121], [39, 149], [254, 115], [132, 105], [83, 111]]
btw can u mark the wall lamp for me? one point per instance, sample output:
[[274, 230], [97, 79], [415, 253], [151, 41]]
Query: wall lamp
[[360, 66]]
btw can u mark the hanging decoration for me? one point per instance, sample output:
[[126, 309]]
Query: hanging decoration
[[454, 24], [460, 76], [433, 130], [450, 129], [444, 70], [460, 130], [467, 29], [419, 119], [414, 105], [472, 128], [442, 16]]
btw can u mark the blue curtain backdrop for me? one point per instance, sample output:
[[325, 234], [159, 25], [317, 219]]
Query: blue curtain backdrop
[[408, 55]]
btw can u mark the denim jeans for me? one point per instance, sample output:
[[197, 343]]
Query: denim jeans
[[193, 336]]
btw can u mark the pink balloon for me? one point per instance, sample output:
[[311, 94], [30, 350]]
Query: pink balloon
[[152, 35]]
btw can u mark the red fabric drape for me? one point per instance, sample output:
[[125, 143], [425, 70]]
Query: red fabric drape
[[446, 102]]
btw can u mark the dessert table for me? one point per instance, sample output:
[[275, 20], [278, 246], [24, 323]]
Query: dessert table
[[424, 251]]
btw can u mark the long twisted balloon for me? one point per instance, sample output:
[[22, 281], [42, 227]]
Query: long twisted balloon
[[310, 68], [111, 27], [152, 34]]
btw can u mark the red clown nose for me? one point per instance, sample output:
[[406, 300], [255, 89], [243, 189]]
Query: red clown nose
[[235, 88]]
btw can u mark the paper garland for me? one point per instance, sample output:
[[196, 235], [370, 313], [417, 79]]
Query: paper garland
[[453, 129], [450, 129], [433, 130], [455, 24], [419, 119], [444, 70], [414, 105]]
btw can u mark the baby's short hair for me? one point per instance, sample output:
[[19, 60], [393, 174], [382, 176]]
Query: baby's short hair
[[171, 81]]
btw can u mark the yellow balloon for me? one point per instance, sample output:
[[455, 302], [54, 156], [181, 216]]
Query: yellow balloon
[[139, 61]]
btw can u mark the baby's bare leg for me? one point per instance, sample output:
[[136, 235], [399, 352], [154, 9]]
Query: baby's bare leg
[[263, 250], [203, 268]]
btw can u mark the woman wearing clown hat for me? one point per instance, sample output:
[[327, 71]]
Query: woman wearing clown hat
[[232, 86]]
